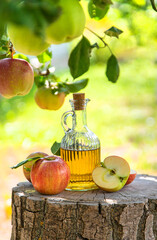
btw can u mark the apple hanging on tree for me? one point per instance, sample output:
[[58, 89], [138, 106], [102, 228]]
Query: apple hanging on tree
[[16, 77], [69, 25], [25, 41], [51, 91], [46, 99]]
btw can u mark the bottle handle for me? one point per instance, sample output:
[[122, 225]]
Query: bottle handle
[[64, 120]]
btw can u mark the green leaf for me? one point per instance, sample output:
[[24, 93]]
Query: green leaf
[[5, 49], [4, 41], [5, 38], [39, 80], [79, 60], [72, 87], [112, 71], [3, 52], [36, 14], [4, 46], [102, 3], [45, 57], [25, 161], [21, 56], [55, 149], [62, 88], [113, 32], [96, 12], [77, 85]]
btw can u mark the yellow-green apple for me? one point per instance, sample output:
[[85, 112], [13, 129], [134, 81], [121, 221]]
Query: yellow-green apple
[[132, 176], [25, 41], [50, 175], [69, 25], [16, 77], [112, 175], [45, 99], [27, 166]]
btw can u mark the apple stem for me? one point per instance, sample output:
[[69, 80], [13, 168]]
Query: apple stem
[[11, 50], [112, 172], [49, 84], [12, 55], [45, 74]]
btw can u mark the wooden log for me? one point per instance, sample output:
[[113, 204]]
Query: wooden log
[[129, 214]]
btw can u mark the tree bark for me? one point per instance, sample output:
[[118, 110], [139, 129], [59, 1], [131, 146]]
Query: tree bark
[[129, 214]]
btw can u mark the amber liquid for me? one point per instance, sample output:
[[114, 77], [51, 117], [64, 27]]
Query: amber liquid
[[81, 164]]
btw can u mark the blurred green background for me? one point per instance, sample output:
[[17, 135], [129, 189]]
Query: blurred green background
[[122, 115]]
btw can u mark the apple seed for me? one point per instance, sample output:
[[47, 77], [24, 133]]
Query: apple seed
[[112, 172]]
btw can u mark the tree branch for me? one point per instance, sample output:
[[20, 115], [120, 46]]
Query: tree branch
[[153, 5], [105, 44]]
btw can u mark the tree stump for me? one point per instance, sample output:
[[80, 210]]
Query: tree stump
[[129, 214]]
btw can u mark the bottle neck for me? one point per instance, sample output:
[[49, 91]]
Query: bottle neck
[[80, 120]]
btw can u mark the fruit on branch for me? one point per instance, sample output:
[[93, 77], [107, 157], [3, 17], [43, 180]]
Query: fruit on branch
[[46, 99], [112, 175], [132, 176], [69, 25], [50, 175], [16, 77], [25, 41], [27, 166]]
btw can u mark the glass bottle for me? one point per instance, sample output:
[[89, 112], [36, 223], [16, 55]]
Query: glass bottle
[[80, 147]]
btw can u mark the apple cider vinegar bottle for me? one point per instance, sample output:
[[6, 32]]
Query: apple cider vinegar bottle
[[80, 147]]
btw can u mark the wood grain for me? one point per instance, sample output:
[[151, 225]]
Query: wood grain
[[129, 214]]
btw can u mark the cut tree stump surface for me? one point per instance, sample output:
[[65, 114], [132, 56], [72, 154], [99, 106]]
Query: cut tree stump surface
[[129, 214]]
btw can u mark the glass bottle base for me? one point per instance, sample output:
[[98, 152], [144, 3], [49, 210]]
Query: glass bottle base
[[81, 186]]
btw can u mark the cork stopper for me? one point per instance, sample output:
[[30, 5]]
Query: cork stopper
[[79, 101]]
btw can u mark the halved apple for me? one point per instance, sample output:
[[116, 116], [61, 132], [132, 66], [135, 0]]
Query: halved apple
[[131, 177], [112, 175]]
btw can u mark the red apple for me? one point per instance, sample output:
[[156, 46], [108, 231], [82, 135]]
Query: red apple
[[27, 166], [45, 99], [16, 77], [50, 175], [131, 177]]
